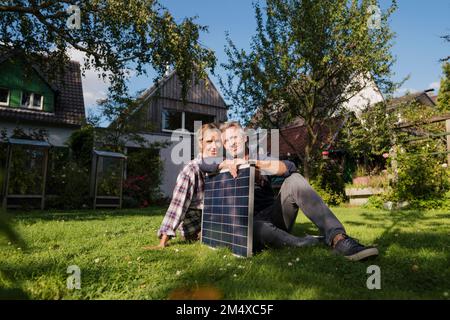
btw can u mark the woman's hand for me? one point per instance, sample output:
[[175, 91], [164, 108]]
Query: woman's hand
[[164, 242]]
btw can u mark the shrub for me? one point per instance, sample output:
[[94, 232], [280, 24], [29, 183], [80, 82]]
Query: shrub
[[375, 202], [329, 183], [144, 174], [68, 183], [419, 177]]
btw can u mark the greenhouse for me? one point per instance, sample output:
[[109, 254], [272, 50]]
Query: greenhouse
[[108, 169], [25, 173]]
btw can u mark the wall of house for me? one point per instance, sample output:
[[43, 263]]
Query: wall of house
[[172, 166], [14, 78], [368, 96], [57, 135]]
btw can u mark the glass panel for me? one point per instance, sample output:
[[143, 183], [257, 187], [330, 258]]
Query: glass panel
[[172, 120], [26, 98], [109, 176], [3, 155], [37, 99], [27, 170], [190, 117], [4, 93]]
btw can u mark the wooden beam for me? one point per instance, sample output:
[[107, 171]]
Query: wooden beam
[[435, 119]]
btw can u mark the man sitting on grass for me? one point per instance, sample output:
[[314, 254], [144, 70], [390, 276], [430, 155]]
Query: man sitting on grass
[[275, 216]]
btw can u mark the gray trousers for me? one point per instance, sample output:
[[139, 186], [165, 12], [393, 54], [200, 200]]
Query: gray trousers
[[273, 225]]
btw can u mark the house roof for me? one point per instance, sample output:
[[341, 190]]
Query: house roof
[[297, 136], [69, 102], [171, 79], [421, 97], [28, 142]]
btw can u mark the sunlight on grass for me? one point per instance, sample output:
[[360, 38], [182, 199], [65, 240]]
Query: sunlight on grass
[[107, 247]]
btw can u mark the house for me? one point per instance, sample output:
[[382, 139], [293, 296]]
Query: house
[[293, 135], [29, 100], [170, 119]]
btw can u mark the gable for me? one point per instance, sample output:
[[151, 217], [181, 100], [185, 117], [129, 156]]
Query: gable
[[14, 77], [65, 102], [204, 92]]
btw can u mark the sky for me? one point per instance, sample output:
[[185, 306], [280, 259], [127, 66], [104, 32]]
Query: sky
[[418, 25]]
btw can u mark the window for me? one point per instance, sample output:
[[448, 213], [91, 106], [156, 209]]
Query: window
[[4, 97], [191, 117], [32, 100], [173, 120]]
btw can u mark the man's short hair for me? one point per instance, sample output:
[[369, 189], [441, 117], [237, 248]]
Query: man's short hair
[[231, 124]]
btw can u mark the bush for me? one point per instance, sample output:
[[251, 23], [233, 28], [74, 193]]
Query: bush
[[144, 175], [329, 183], [375, 202], [68, 185], [419, 178]]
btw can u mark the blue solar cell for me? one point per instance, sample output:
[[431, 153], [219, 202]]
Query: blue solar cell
[[228, 211]]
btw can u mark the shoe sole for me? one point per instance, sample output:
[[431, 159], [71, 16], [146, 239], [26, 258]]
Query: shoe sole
[[363, 254]]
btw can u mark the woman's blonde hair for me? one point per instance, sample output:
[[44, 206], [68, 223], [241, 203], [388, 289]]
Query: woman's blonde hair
[[201, 132]]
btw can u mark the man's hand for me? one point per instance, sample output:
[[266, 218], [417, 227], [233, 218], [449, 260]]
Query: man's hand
[[232, 166], [164, 242]]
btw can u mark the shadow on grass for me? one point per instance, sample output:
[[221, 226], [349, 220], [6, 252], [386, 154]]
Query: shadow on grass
[[414, 265], [275, 274], [82, 215]]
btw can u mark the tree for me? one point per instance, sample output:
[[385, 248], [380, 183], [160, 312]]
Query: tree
[[115, 36], [306, 60], [122, 115], [446, 38], [443, 99]]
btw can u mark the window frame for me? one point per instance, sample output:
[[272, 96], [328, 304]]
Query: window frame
[[31, 104], [6, 104], [163, 121], [183, 121]]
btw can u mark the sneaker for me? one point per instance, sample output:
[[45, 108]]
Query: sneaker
[[353, 250]]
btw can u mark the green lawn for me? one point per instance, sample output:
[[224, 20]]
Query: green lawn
[[107, 246]]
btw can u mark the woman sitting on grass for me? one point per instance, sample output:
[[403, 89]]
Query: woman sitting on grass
[[185, 209]]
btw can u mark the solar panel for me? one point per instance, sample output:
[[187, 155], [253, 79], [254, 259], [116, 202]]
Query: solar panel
[[227, 219]]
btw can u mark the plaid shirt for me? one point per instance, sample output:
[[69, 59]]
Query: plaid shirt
[[187, 202]]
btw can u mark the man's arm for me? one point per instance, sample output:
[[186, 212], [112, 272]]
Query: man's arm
[[272, 166]]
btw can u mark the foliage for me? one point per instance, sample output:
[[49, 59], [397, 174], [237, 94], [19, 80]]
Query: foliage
[[375, 202], [124, 118], [329, 183], [144, 176], [419, 176], [68, 182], [27, 164], [114, 35], [306, 60], [367, 137], [81, 143], [443, 99]]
